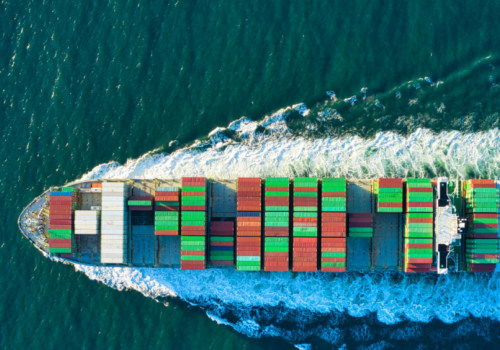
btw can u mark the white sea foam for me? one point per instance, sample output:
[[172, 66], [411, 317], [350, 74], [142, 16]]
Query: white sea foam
[[392, 298], [277, 152]]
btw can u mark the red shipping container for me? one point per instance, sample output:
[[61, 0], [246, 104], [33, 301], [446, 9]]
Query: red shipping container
[[332, 259], [484, 216], [59, 243], [420, 204], [334, 225], [221, 244], [305, 189], [390, 182], [192, 252], [332, 269], [418, 245], [305, 202], [277, 201], [277, 189], [419, 220], [334, 250], [482, 268], [60, 222], [276, 255], [60, 216], [167, 198], [420, 261], [221, 262], [485, 256], [248, 233], [167, 193], [390, 205], [482, 181], [194, 207], [249, 239], [276, 232], [193, 180], [222, 225], [193, 193], [312, 268], [281, 268], [61, 200], [482, 235], [248, 253], [166, 232], [333, 194], [420, 270], [485, 225], [419, 189]]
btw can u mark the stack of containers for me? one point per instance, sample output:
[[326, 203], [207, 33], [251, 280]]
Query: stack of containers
[[333, 225], [61, 206], [222, 243], [419, 196], [361, 225], [498, 211], [389, 195], [87, 222], [418, 226], [333, 194], [276, 224], [140, 203], [482, 206], [193, 223], [249, 226], [114, 223], [305, 225], [167, 198], [167, 211]]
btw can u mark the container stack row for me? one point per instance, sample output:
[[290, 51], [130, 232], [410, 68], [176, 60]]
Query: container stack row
[[222, 243], [61, 206], [193, 223], [249, 224], [305, 224], [333, 225], [361, 225], [167, 211], [419, 196], [419, 229], [114, 223], [87, 222], [389, 194], [277, 224], [482, 206], [140, 203]]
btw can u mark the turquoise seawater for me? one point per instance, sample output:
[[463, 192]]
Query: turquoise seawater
[[84, 83]]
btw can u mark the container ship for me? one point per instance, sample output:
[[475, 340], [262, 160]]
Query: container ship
[[304, 224]]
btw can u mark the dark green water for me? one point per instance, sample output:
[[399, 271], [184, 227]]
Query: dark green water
[[84, 83]]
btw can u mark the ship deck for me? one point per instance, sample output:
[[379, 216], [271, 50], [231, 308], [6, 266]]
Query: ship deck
[[380, 253]]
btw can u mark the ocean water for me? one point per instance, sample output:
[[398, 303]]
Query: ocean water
[[171, 88]]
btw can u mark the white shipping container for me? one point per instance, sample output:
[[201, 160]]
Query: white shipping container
[[87, 213], [112, 238], [85, 232], [87, 223], [86, 227], [109, 232], [112, 207], [108, 247]]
